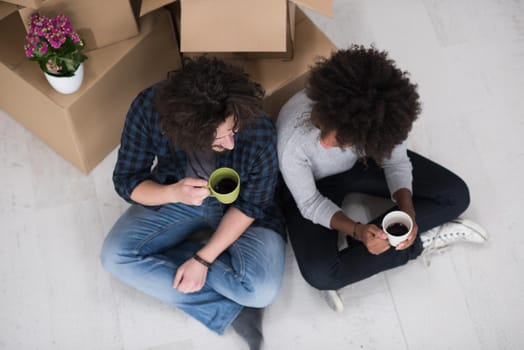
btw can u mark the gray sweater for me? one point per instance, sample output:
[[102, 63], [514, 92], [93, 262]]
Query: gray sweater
[[303, 161]]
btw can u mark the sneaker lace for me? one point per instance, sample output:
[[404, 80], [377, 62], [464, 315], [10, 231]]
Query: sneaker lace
[[443, 236], [432, 248]]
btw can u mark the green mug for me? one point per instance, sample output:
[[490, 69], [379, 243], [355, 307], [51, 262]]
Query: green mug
[[224, 184]]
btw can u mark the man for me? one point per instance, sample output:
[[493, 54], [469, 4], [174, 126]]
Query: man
[[346, 133], [205, 116]]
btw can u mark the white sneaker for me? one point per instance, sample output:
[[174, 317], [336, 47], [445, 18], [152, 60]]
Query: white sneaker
[[333, 300], [455, 231]]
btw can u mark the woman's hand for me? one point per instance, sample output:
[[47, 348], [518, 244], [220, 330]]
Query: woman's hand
[[375, 240], [411, 237], [405, 203]]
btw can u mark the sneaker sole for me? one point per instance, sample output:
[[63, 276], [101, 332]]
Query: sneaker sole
[[334, 303]]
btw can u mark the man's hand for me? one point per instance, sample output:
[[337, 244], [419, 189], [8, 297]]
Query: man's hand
[[190, 191], [190, 277], [375, 240]]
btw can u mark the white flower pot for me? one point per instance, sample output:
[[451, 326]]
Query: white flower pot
[[67, 85]]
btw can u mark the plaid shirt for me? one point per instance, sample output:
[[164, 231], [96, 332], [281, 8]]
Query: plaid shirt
[[254, 158]]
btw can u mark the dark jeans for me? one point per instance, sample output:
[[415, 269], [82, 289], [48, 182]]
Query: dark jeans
[[438, 196]]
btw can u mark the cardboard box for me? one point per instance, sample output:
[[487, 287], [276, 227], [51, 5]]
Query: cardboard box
[[98, 22], [84, 127], [233, 25], [281, 79], [240, 25]]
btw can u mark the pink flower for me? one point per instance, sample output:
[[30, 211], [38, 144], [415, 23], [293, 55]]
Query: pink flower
[[29, 50], [56, 40], [76, 39], [52, 67], [45, 44], [32, 39], [43, 48]]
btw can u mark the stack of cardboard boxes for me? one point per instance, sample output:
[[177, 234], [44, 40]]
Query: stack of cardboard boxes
[[133, 44]]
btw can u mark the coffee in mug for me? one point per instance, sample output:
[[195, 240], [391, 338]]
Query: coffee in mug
[[397, 229], [224, 185]]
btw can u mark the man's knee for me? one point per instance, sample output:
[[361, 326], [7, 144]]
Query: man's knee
[[263, 294], [263, 288], [267, 269]]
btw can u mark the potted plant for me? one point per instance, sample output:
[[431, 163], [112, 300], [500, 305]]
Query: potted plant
[[58, 50]]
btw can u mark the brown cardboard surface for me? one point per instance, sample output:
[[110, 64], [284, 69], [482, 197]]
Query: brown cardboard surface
[[34, 4], [233, 25], [84, 127], [12, 40], [252, 27], [148, 6], [98, 22], [6, 9], [290, 34], [174, 9], [291, 15]]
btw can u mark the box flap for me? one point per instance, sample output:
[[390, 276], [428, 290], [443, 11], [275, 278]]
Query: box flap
[[148, 6], [12, 40], [6, 9], [233, 25], [324, 7], [34, 4]]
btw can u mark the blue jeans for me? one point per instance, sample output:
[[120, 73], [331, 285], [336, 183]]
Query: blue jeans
[[145, 247]]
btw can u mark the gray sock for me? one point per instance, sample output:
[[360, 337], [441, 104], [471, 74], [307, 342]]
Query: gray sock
[[248, 325]]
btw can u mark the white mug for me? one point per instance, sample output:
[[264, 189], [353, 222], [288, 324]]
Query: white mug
[[394, 221]]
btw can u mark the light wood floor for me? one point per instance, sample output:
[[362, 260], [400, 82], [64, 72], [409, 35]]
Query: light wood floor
[[468, 59]]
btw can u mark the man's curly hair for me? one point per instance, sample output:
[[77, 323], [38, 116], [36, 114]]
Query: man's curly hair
[[361, 94], [195, 100]]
